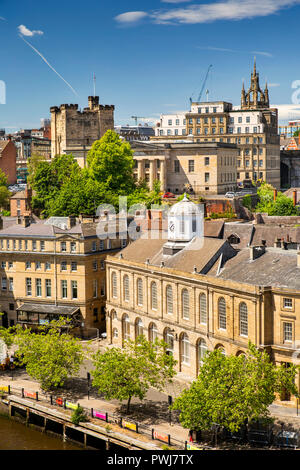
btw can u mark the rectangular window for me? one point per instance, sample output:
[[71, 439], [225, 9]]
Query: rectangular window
[[169, 122], [33, 245], [287, 332], [206, 161], [177, 122], [63, 246], [102, 291], [28, 265], [74, 266], [73, 247], [7, 244], [26, 244], [48, 287], [42, 245], [206, 177], [191, 166], [38, 287], [10, 265], [47, 266], [11, 284], [38, 265], [101, 245], [95, 266], [64, 289], [94, 246], [240, 119], [63, 266], [74, 289], [287, 303], [102, 264], [3, 264], [20, 244], [176, 166], [95, 288], [28, 286]]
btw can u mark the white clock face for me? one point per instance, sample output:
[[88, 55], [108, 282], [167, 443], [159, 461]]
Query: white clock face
[[172, 226]]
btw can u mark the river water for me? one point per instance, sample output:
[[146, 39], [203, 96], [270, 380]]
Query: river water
[[17, 436]]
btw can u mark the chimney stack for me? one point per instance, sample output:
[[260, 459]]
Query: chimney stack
[[256, 251], [275, 194], [71, 221], [294, 197]]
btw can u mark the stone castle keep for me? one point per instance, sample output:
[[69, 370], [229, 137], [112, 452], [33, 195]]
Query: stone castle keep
[[74, 131]]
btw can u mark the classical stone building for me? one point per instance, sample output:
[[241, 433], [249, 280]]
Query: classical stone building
[[56, 267], [201, 294], [208, 168], [8, 160], [253, 127], [74, 131]]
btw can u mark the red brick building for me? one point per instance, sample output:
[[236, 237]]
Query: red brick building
[[8, 156], [20, 203]]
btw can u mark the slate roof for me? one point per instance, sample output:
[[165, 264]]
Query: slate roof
[[243, 231], [277, 268], [199, 253]]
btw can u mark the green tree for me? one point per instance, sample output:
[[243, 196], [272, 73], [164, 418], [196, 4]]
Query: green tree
[[49, 355], [4, 196], [232, 389], [3, 179], [33, 165], [283, 205], [110, 161], [129, 372]]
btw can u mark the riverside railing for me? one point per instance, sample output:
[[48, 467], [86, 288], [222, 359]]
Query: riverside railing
[[102, 415]]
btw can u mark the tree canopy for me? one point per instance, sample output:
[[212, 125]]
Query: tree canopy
[[232, 389], [129, 372], [283, 205], [50, 356], [63, 188]]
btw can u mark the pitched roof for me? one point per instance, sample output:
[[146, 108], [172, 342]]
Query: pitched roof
[[243, 231], [277, 268]]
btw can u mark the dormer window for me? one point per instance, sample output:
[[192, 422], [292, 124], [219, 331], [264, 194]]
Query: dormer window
[[233, 239]]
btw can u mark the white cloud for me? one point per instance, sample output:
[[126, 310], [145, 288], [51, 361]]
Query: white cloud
[[26, 32], [223, 49], [131, 16], [175, 1], [266, 54], [287, 111], [209, 12]]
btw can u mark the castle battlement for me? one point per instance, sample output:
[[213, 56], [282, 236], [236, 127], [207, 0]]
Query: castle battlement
[[72, 127]]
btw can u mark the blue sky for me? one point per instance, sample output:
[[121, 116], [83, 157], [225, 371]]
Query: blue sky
[[149, 57]]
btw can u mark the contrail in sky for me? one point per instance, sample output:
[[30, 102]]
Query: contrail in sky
[[49, 65]]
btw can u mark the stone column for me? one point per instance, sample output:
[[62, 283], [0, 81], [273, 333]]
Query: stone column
[[141, 175], [151, 174], [163, 175]]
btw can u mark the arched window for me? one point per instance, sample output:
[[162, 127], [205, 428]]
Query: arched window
[[201, 351], [153, 332], [115, 333], [114, 315], [243, 319], [169, 339], [169, 296], [185, 349], [221, 348], [140, 292], [222, 313], [126, 327], [203, 309], [154, 296], [126, 288], [185, 302], [139, 329], [114, 285]]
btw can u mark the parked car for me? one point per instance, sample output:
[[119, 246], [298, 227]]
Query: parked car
[[230, 194], [167, 195]]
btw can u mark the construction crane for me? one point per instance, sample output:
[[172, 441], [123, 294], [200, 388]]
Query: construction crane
[[204, 82], [136, 118]]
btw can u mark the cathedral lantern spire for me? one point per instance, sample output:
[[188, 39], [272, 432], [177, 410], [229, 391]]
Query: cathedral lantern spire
[[255, 98]]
